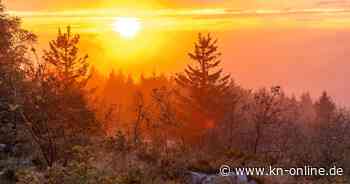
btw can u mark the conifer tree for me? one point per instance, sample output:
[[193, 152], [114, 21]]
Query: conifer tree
[[325, 108], [70, 68], [59, 115], [71, 73], [204, 79]]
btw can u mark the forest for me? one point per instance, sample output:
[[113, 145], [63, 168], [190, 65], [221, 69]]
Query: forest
[[64, 122]]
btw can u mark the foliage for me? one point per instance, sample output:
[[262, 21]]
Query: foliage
[[63, 55], [15, 43], [203, 80], [58, 116]]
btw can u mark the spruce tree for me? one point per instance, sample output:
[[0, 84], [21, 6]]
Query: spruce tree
[[204, 79]]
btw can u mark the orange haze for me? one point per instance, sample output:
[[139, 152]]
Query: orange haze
[[301, 45]]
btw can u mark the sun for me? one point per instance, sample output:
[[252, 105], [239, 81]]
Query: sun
[[127, 26]]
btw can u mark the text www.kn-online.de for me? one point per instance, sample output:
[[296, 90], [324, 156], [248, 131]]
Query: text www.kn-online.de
[[226, 170]]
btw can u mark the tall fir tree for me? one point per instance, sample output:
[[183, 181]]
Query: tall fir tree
[[204, 79]]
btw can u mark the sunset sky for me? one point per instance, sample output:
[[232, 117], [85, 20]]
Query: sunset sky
[[302, 45]]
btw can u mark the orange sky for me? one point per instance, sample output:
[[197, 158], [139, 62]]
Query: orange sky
[[236, 4], [301, 44]]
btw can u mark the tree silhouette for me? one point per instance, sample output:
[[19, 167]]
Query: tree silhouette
[[204, 79], [63, 54], [266, 110], [56, 111], [325, 108], [14, 46]]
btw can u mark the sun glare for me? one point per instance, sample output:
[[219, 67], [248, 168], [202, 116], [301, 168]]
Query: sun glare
[[127, 26]]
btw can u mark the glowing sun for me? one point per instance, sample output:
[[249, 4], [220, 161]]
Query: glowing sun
[[127, 26]]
